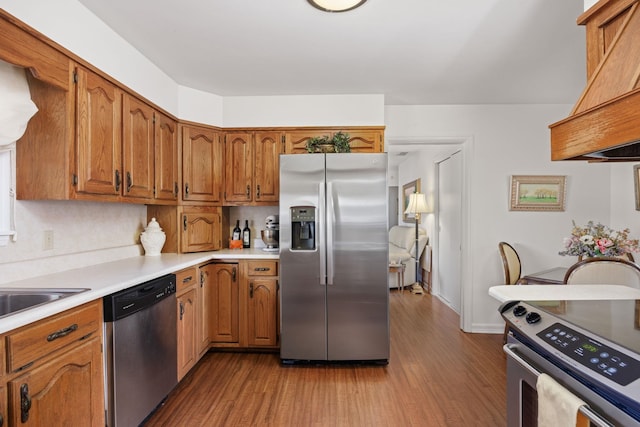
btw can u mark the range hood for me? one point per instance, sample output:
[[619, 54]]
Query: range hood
[[604, 125]]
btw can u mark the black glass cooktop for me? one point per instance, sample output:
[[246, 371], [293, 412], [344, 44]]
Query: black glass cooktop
[[615, 320]]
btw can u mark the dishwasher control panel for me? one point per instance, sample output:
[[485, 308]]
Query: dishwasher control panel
[[131, 300]]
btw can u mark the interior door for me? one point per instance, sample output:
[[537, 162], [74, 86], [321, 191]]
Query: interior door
[[450, 226]]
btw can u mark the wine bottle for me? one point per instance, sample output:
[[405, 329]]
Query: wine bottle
[[236, 231], [246, 235]]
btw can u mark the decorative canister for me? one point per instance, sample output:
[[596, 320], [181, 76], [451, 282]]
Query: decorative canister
[[152, 238]]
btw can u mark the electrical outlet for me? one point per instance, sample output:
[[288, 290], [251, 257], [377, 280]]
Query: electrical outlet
[[48, 240]]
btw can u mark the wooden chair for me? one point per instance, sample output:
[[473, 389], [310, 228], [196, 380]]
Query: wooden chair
[[604, 270], [512, 270], [510, 262]]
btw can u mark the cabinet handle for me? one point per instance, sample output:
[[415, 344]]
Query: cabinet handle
[[117, 180], [233, 274], [201, 278], [262, 269], [25, 403], [175, 189], [181, 309], [62, 332], [258, 192], [248, 191], [186, 189], [1, 420], [184, 222], [129, 183], [187, 279], [251, 290]]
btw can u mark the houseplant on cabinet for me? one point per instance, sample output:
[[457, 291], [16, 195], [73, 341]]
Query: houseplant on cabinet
[[338, 143]]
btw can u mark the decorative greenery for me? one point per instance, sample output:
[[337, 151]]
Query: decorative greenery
[[339, 141], [598, 240]]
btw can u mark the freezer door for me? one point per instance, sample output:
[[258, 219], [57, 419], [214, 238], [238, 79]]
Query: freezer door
[[357, 257], [302, 288]]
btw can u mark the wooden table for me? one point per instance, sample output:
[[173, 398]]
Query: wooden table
[[553, 276], [399, 269]]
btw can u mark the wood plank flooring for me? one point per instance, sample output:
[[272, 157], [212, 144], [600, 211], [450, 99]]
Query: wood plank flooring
[[437, 376]]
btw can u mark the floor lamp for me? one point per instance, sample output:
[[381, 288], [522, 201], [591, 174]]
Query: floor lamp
[[417, 205]]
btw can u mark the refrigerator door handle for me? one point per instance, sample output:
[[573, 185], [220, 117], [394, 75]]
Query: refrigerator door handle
[[320, 234], [330, 220]]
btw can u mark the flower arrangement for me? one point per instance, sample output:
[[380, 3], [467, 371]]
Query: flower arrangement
[[598, 240], [338, 143]]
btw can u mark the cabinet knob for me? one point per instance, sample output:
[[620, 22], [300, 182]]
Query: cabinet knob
[[248, 191], [175, 189], [251, 290], [25, 403], [186, 189], [184, 223], [258, 191], [117, 180], [129, 182], [233, 274]]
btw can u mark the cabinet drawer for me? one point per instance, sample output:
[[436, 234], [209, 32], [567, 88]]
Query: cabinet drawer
[[186, 278], [39, 339], [262, 268]]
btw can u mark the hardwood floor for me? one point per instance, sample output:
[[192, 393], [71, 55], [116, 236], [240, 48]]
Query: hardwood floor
[[437, 376]]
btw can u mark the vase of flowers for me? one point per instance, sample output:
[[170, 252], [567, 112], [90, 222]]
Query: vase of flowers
[[595, 239]]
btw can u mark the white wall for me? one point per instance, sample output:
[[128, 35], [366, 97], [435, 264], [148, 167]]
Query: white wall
[[507, 140]]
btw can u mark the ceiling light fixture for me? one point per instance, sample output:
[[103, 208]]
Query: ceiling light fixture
[[336, 5]]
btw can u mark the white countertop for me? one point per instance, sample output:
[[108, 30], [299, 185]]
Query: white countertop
[[110, 277], [505, 293]]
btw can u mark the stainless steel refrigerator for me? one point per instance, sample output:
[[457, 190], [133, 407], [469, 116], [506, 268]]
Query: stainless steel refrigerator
[[334, 257]]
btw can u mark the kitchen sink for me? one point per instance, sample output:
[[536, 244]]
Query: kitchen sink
[[17, 299]]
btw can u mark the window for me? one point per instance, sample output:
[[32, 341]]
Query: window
[[7, 195]]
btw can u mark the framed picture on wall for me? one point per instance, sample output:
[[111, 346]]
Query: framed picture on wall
[[537, 193], [408, 189]]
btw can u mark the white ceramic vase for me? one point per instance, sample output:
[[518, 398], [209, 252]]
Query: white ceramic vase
[[152, 238]]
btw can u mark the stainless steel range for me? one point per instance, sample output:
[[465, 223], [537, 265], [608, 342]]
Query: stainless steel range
[[592, 348]]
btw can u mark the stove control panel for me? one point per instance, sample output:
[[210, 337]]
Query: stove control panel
[[610, 363]]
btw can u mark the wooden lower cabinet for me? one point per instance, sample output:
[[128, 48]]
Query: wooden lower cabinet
[[186, 306], [4, 416], [189, 228], [66, 391], [224, 326], [244, 310], [55, 370]]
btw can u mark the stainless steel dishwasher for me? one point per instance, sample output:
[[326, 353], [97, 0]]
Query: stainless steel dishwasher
[[140, 350]]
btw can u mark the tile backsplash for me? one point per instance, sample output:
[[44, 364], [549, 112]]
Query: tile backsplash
[[83, 233]]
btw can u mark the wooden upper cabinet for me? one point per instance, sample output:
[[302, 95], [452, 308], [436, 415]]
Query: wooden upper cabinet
[[266, 174], [361, 139], [252, 167], [137, 148], [295, 141], [98, 120], [239, 167], [202, 165], [167, 168]]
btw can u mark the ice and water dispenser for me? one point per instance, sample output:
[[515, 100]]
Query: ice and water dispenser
[[303, 228]]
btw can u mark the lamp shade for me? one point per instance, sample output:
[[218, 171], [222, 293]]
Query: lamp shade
[[417, 204], [336, 5]]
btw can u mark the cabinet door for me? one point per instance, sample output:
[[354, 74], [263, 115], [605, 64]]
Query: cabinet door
[[366, 141], [266, 174], [166, 162], [202, 164], [67, 391], [4, 416], [262, 311], [224, 310], [239, 167], [98, 118], [186, 339], [137, 148], [295, 142], [204, 304], [201, 229]]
